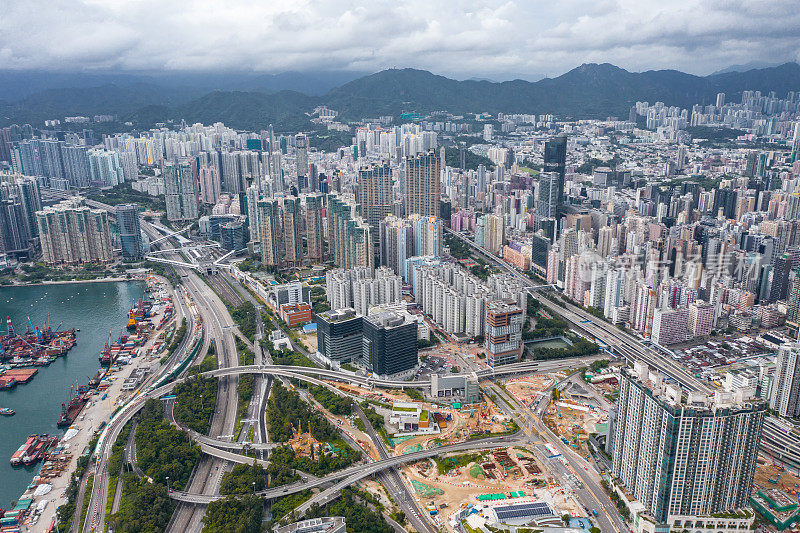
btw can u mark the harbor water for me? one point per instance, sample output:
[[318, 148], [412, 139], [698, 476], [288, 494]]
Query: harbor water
[[95, 309]]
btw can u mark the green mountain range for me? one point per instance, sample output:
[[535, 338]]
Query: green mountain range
[[588, 91]]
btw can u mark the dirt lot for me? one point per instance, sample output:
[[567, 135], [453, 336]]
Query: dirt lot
[[785, 481], [458, 479]]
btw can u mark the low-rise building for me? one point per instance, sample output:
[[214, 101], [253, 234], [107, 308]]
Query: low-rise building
[[462, 387], [296, 314], [327, 524]]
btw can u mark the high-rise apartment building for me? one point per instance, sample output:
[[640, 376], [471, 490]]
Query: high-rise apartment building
[[315, 232], [130, 232], [210, 184], [670, 326], [15, 240], [701, 319], [271, 229], [785, 398], [374, 194], [494, 233], [350, 238], [292, 231], [180, 191], [403, 238], [362, 288], [72, 233], [684, 455], [422, 184], [396, 238]]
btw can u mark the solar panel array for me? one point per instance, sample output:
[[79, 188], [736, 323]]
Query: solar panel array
[[522, 510]]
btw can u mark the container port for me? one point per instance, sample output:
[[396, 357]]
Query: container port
[[22, 353]]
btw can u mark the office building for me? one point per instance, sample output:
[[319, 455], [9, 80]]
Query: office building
[[785, 398], [301, 153], [779, 289], [555, 160], [339, 335], [389, 344], [180, 192], [71, 233], [422, 184], [504, 320], [130, 232], [548, 205], [231, 236], [684, 455], [374, 194]]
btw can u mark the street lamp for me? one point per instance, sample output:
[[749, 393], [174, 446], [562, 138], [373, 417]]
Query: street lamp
[[168, 485]]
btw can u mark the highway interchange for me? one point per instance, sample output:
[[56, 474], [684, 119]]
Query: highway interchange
[[220, 447]]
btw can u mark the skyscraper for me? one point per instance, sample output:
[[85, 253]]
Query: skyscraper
[[31, 200], [301, 151], [130, 233], [780, 278], [180, 191], [72, 233], [785, 398], [210, 184], [350, 238], [548, 195], [315, 237], [14, 235], [422, 184], [269, 218], [292, 231], [374, 193], [684, 455], [555, 160]]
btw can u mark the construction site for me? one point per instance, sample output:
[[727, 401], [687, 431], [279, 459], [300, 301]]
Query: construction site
[[508, 475]]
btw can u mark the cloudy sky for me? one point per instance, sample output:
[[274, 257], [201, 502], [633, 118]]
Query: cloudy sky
[[461, 38]]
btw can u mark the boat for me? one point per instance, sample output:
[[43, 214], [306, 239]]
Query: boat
[[7, 411], [23, 450], [71, 410], [40, 449]]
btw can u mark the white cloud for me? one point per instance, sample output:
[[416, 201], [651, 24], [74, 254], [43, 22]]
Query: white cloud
[[462, 38]]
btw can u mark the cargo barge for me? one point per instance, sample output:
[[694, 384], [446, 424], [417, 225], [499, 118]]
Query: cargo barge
[[33, 450]]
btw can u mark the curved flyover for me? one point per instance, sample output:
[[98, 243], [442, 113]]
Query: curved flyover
[[350, 475]]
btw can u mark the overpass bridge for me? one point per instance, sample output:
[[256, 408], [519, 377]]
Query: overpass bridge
[[352, 474]]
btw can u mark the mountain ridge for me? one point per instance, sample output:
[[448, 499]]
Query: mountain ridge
[[590, 90]]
